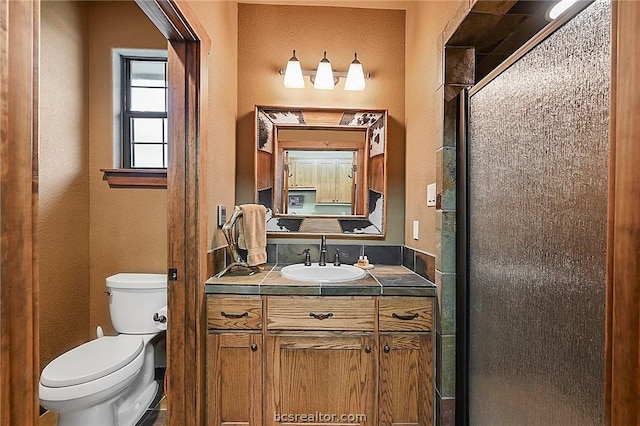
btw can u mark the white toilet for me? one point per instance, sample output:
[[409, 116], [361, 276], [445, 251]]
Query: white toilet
[[109, 381]]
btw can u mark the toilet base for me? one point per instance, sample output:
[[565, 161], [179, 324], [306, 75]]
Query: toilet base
[[110, 413], [105, 412], [134, 412], [133, 404]]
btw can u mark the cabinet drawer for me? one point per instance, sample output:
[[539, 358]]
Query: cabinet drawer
[[321, 313], [405, 313], [234, 312]]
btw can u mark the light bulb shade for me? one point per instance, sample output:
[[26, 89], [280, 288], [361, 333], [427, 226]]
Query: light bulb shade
[[355, 76], [293, 75], [324, 75]]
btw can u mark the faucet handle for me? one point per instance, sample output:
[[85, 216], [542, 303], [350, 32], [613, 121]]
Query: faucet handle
[[336, 262], [307, 256]]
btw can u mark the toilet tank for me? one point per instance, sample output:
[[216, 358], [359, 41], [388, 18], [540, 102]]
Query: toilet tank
[[133, 299]]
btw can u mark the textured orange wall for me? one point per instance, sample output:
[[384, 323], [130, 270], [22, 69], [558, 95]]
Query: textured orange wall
[[266, 36], [426, 22], [128, 226], [63, 223], [220, 18]]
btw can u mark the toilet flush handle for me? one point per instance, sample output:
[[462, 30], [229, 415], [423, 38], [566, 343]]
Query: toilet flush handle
[[159, 318]]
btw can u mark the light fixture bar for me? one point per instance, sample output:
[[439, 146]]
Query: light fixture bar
[[336, 74]]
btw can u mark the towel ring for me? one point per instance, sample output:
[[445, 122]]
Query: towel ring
[[231, 235]]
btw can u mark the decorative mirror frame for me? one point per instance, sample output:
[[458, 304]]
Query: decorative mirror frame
[[269, 119]]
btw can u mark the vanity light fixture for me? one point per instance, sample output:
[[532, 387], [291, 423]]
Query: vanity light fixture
[[324, 77], [355, 75], [293, 75]]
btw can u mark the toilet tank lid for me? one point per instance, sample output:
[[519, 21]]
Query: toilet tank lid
[[91, 360], [137, 280]]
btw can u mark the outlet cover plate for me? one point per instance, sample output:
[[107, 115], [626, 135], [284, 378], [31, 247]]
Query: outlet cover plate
[[431, 195]]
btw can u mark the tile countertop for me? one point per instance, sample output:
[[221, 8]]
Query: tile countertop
[[381, 280]]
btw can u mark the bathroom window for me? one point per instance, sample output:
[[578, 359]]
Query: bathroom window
[[144, 112], [140, 136]]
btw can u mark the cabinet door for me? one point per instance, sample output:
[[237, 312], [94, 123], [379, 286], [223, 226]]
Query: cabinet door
[[326, 181], [406, 379], [305, 174], [344, 181], [234, 380], [321, 378]]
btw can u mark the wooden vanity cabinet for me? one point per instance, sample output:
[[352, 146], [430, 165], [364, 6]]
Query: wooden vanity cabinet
[[367, 357], [234, 360], [405, 382]]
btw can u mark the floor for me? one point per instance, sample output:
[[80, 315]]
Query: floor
[[156, 415]]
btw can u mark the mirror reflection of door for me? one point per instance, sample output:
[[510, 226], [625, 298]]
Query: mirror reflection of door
[[320, 182]]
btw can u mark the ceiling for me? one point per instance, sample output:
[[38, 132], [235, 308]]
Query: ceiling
[[364, 4]]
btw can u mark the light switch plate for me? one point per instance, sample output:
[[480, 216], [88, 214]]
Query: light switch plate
[[416, 229], [431, 195], [222, 216]]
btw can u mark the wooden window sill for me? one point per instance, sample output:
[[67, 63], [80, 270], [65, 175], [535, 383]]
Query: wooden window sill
[[135, 178]]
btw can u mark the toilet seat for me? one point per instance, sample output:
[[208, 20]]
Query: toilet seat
[[92, 367], [92, 360]]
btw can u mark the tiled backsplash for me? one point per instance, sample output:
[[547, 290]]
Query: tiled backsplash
[[290, 253], [421, 263]]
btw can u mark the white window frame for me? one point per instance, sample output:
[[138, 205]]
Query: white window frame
[[117, 84]]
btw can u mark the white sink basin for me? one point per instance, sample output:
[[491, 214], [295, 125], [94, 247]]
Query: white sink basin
[[322, 274]]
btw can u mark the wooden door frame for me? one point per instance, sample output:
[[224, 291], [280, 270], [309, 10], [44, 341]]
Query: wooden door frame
[[19, 321], [19, 335], [622, 341], [188, 47]]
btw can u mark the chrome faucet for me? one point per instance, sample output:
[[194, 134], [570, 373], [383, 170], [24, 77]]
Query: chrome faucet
[[323, 251]]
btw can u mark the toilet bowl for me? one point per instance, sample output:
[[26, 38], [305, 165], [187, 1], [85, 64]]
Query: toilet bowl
[[109, 381]]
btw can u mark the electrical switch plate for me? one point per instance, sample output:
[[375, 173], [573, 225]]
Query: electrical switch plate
[[222, 216], [431, 195], [416, 229]]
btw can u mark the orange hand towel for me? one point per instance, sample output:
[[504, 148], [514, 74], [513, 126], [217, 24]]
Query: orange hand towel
[[252, 233]]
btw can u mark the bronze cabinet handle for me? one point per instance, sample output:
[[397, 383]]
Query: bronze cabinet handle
[[405, 317], [387, 349], [254, 347], [226, 315], [320, 316], [367, 349]]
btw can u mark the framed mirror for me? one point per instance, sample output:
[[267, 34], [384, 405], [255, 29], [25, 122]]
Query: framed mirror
[[321, 171]]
